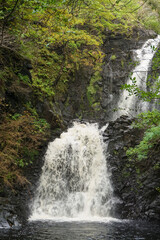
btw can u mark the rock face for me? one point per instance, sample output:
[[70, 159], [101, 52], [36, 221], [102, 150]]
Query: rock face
[[118, 51], [117, 64], [8, 214], [135, 183]]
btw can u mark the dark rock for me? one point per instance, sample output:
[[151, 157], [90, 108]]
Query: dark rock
[[8, 214], [138, 192]]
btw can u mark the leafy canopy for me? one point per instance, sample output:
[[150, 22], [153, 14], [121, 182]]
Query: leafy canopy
[[62, 37]]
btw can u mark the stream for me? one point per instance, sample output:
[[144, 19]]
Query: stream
[[111, 230]]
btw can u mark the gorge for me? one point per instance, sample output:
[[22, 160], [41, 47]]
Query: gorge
[[73, 163], [75, 184]]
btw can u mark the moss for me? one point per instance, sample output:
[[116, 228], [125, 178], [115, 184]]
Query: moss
[[115, 152], [113, 57], [94, 91]]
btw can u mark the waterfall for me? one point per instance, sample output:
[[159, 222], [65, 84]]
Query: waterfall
[[132, 105], [75, 181]]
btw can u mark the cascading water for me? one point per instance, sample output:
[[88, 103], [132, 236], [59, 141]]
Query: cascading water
[[75, 182], [132, 105]]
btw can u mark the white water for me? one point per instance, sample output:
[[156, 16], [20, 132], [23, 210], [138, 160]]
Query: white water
[[132, 105], [74, 184]]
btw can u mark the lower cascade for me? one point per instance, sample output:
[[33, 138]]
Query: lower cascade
[[75, 181]]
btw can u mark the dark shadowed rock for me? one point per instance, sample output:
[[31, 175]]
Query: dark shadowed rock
[[135, 184], [8, 214]]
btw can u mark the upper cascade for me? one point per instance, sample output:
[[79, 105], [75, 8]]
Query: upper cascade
[[132, 105], [75, 181]]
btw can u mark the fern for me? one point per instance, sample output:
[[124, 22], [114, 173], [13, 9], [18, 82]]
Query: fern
[[151, 121]]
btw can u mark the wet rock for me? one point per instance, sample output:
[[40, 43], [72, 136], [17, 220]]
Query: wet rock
[[8, 214], [137, 191]]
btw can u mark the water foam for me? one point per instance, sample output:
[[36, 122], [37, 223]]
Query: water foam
[[75, 182]]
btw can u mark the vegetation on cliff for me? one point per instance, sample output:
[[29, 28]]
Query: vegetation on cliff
[[60, 38], [149, 121]]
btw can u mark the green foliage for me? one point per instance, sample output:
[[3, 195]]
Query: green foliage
[[28, 157], [149, 14], [41, 125], [93, 90], [32, 110], [155, 4], [158, 189], [150, 139], [152, 23], [113, 57], [61, 37], [149, 121], [24, 78], [156, 166], [15, 116]]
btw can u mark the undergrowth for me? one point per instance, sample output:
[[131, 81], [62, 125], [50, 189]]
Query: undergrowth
[[21, 136], [150, 143]]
